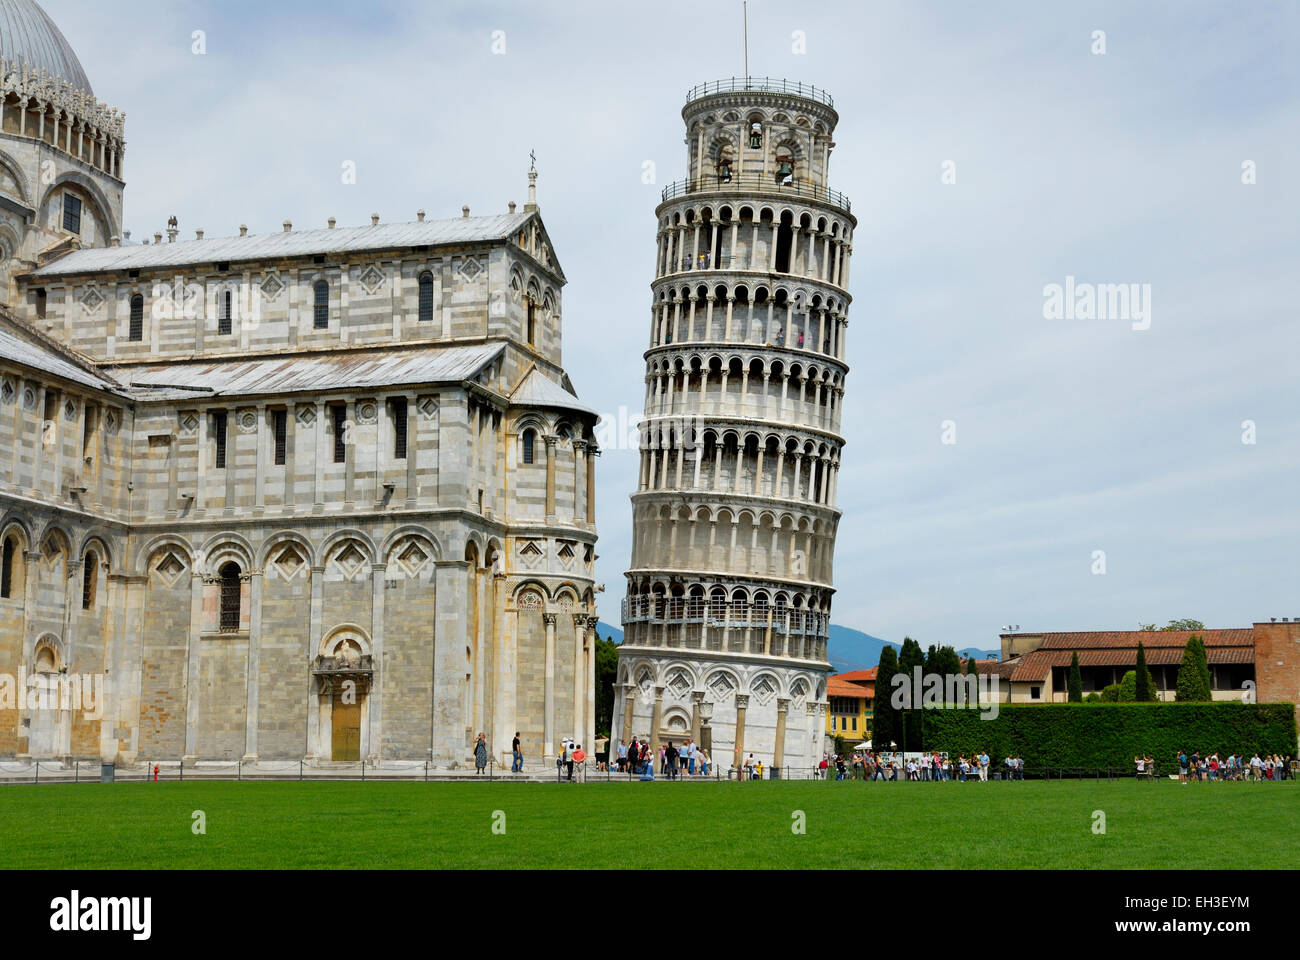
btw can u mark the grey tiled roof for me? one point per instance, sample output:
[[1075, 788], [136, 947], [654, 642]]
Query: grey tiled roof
[[20, 350], [311, 373], [270, 246], [537, 390]]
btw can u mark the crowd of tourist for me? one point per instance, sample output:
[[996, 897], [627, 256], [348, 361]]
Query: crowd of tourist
[[672, 761], [1194, 767], [869, 765]]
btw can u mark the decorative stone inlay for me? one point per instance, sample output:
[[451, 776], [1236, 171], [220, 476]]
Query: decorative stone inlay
[[92, 300], [764, 690], [189, 423], [429, 407], [350, 560], [470, 269], [247, 422], [170, 569], [271, 286], [7, 392], [111, 421], [371, 278], [69, 411], [290, 563], [722, 685], [29, 398], [367, 411], [306, 415]]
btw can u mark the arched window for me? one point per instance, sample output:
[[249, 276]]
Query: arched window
[[137, 318], [322, 305], [755, 135], [532, 323], [530, 438], [224, 304], [89, 578], [426, 297], [230, 589], [7, 570], [785, 169]]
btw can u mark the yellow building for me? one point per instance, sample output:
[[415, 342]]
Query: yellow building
[[851, 697]]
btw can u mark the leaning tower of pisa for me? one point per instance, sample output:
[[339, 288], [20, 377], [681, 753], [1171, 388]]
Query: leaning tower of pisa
[[729, 591]]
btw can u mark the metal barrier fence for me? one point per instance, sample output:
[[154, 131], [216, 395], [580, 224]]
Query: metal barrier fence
[[590, 771]]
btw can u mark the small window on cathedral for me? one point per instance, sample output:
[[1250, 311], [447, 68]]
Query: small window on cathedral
[[280, 423], [426, 297], [755, 135], [41, 301], [724, 171], [219, 439], [137, 318], [339, 413], [529, 439], [224, 304], [89, 578], [7, 570], [399, 428], [230, 599], [71, 213], [784, 170], [322, 314], [532, 323]]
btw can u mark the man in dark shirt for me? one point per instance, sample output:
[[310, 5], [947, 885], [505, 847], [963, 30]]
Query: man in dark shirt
[[671, 756], [516, 756]]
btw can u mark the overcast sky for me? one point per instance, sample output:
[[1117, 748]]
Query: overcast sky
[[1072, 435]]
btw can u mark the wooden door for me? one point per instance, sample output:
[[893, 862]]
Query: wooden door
[[346, 737]]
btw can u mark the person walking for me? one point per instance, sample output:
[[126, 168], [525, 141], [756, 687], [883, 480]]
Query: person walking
[[670, 760], [480, 754], [516, 755]]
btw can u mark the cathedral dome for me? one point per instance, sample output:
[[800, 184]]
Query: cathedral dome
[[28, 35]]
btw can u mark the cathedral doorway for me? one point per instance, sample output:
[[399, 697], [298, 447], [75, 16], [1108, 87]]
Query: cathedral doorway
[[345, 734]]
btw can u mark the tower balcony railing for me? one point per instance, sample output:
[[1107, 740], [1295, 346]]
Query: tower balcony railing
[[729, 614], [756, 184], [760, 85]]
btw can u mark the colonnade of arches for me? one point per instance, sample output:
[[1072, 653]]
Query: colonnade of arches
[[801, 241], [734, 312], [787, 466], [734, 618], [762, 387]]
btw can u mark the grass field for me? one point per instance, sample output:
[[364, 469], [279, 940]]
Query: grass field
[[660, 825]]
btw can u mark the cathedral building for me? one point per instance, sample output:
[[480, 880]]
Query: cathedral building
[[728, 600], [321, 494]]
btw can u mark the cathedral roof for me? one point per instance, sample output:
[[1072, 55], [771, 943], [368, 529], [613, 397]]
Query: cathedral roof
[[296, 243], [308, 373], [33, 354], [537, 390], [28, 35]]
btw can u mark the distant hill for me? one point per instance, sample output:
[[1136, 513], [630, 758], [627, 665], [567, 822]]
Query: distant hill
[[849, 649]]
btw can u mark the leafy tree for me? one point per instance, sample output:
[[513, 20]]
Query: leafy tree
[[972, 669], [606, 676], [910, 658], [1174, 625], [1128, 687], [1075, 683], [1193, 672], [947, 664], [1110, 693], [884, 722], [1146, 687], [1093, 697]]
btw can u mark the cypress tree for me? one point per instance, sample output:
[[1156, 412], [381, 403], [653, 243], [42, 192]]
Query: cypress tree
[[1193, 673], [884, 717], [1075, 683], [1128, 687], [973, 670], [1146, 686], [909, 724]]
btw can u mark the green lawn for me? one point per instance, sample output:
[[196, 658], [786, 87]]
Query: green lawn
[[650, 825]]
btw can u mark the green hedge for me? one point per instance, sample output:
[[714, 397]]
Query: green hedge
[[1111, 734]]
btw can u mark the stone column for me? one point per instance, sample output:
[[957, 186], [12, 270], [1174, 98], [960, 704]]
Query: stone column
[[192, 669], [504, 662], [697, 698], [656, 718], [254, 658], [590, 741], [550, 478], [738, 754], [629, 706], [579, 451], [448, 733], [548, 734], [592, 452], [313, 648], [374, 697], [782, 708], [579, 679]]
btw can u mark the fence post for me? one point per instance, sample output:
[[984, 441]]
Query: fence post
[[38, 772], [426, 771], [239, 770], [363, 771], [299, 768], [76, 771]]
